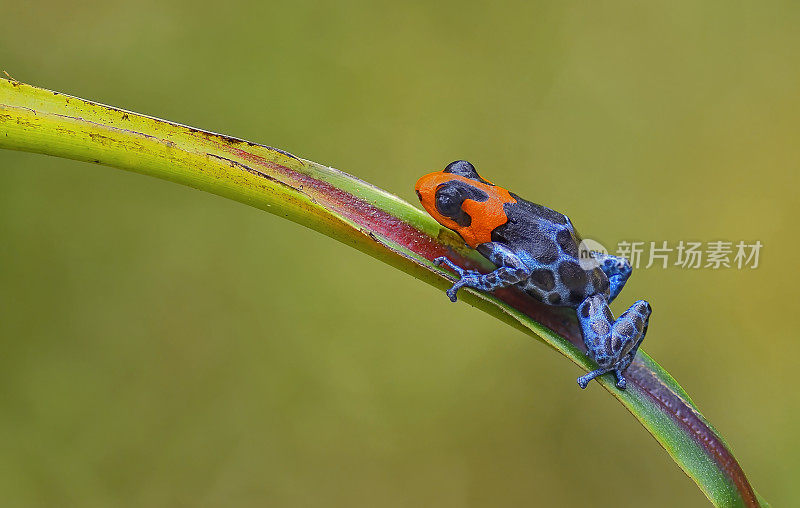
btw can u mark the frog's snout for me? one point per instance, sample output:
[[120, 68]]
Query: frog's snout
[[420, 185], [426, 188]]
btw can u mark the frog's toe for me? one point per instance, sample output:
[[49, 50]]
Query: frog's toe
[[622, 383], [444, 261], [468, 279], [463, 281], [451, 293]]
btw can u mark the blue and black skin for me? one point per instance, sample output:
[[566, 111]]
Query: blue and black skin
[[537, 249]]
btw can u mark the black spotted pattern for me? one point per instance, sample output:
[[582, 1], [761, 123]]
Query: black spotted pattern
[[548, 244], [567, 243], [543, 279], [543, 249], [572, 275]]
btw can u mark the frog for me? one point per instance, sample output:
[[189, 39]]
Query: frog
[[537, 250]]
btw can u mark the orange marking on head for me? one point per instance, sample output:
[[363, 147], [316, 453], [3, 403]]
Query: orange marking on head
[[486, 215]]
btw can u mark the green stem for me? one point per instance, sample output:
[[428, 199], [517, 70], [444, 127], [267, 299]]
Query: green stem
[[367, 218]]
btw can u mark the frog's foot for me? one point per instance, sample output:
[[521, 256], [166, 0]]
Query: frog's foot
[[502, 277], [621, 381], [583, 381], [611, 343]]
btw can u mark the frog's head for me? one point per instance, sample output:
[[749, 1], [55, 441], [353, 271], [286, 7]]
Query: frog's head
[[459, 199], [443, 193]]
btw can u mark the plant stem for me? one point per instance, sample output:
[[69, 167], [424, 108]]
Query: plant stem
[[367, 218]]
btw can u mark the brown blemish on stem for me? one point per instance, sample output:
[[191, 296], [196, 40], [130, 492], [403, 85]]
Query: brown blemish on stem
[[235, 164]]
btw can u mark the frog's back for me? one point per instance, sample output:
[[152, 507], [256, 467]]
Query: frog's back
[[547, 243]]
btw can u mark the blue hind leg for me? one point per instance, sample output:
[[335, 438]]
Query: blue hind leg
[[612, 343]]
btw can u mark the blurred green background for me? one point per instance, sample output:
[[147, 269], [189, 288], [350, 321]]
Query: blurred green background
[[166, 347]]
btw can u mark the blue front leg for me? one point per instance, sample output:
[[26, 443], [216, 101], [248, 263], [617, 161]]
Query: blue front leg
[[617, 270], [511, 271]]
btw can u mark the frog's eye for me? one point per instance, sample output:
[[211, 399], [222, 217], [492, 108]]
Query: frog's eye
[[448, 201], [450, 197]]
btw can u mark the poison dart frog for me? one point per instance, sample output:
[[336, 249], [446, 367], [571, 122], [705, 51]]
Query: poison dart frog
[[538, 250]]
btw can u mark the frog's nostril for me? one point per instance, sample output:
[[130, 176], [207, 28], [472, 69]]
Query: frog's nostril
[[419, 196]]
